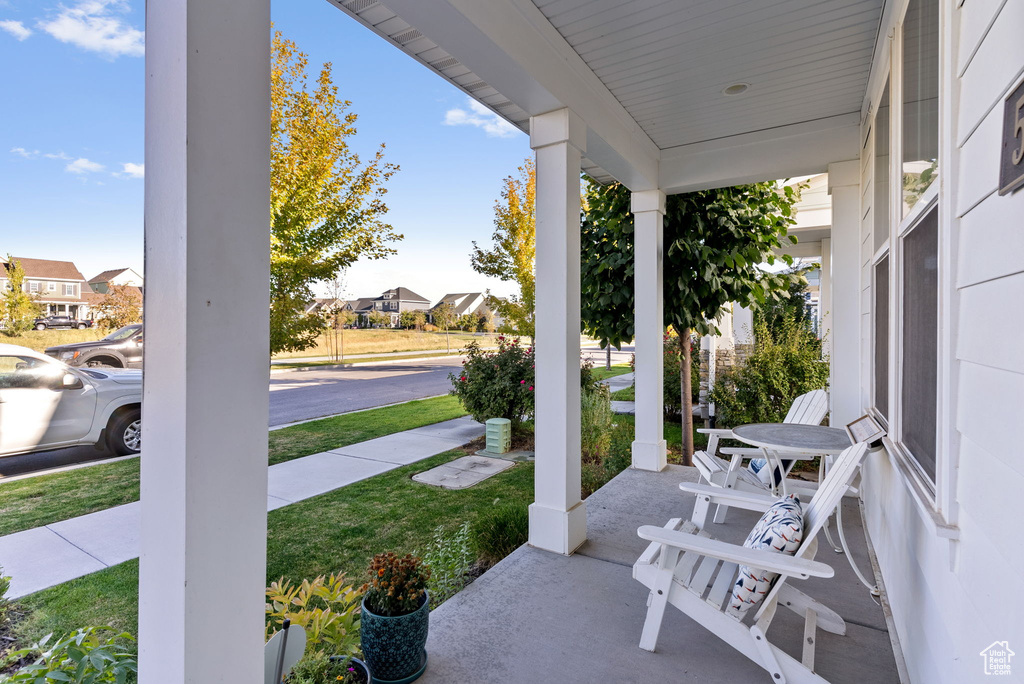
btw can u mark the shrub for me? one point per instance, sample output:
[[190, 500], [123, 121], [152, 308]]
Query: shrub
[[321, 668], [596, 474], [498, 383], [783, 365], [90, 654], [449, 557], [327, 608], [397, 584], [500, 531], [673, 398], [596, 424]]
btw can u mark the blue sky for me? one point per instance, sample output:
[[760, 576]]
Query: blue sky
[[71, 147]]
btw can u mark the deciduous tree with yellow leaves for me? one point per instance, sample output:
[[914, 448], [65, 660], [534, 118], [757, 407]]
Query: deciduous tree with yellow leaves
[[515, 246], [326, 205]]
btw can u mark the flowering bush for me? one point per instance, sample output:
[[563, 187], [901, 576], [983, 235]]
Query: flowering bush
[[497, 383], [397, 584]]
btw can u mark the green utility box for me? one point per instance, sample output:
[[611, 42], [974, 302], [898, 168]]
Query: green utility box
[[499, 435]]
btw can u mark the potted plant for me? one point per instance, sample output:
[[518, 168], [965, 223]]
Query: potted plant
[[319, 668], [393, 625]]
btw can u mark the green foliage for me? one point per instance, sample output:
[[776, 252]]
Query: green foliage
[[412, 320], [379, 319], [397, 584], [90, 655], [497, 383], [326, 607], [619, 456], [19, 307], [785, 364], [672, 382], [321, 668], [606, 265], [443, 315], [501, 530], [511, 259], [449, 557], [775, 312], [326, 205], [121, 306], [596, 424]]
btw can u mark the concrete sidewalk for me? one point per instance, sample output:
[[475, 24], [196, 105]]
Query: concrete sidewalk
[[46, 556]]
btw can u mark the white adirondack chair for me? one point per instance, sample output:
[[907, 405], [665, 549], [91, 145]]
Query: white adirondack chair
[[680, 564], [807, 409]]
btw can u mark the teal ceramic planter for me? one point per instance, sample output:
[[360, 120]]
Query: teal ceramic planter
[[394, 648]]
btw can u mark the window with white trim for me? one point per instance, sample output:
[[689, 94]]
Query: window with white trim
[[70, 289], [33, 286]]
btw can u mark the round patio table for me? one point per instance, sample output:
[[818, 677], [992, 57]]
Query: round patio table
[[782, 437]]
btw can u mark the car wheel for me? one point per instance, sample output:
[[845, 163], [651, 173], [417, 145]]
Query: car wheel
[[40, 326], [124, 433], [103, 362], [82, 326]]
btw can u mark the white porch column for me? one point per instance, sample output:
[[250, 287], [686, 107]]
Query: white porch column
[[204, 456], [844, 387], [649, 447], [558, 519], [825, 296]]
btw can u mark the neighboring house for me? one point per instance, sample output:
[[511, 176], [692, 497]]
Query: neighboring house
[[117, 276], [392, 302], [466, 303], [58, 286]]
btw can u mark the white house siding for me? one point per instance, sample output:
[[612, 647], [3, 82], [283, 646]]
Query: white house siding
[[950, 600]]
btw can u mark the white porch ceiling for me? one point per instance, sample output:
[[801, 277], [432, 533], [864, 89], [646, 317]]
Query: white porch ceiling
[[647, 75]]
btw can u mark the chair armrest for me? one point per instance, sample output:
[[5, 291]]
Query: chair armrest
[[736, 498], [732, 553], [722, 433]]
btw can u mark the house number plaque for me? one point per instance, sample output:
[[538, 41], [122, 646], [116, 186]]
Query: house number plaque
[[1011, 161]]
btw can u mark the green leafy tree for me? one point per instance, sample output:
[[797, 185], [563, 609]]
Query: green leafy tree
[[121, 306], [379, 319], [444, 317], [326, 205], [407, 320], [511, 259], [419, 319], [20, 308], [714, 243]]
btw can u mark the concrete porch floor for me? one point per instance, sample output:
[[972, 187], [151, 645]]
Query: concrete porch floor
[[540, 617]]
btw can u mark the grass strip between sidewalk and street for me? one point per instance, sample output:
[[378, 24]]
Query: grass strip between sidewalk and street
[[440, 354], [602, 373], [46, 499], [336, 531]]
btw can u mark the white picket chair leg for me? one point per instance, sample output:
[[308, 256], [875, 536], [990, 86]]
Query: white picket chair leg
[[658, 599]]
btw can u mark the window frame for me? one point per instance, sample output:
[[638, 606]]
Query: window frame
[[936, 499]]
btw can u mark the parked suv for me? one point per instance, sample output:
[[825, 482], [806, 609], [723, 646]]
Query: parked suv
[[60, 322], [44, 404], [120, 349]]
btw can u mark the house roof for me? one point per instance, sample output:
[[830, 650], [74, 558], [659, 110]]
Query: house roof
[[47, 268], [363, 303], [107, 276], [462, 302], [404, 294]]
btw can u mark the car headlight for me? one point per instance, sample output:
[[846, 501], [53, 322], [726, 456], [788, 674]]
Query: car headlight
[[69, 355]]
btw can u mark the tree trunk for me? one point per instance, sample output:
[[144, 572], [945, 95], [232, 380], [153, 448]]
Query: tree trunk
[[686, 398], [608, 357], [447, 339]]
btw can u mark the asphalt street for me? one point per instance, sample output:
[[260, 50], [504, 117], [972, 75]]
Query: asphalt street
[[299, 395]]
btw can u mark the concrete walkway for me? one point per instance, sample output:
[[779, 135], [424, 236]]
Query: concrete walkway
[[45, 556]]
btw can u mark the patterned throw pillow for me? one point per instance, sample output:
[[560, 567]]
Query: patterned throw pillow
[[780, 529]]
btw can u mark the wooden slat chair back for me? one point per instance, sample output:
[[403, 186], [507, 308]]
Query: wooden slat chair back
[[684, 567], [807, 409]]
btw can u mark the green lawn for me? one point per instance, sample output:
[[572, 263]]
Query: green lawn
[[46, 499], [440, 353], [602, 373], [628, 394], [337, 531]]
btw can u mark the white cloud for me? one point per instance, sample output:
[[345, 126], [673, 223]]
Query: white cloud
[[481, 117], [15, 28], [83, 165], [22, 152], [95, 25], [56, 155], [132, 170]]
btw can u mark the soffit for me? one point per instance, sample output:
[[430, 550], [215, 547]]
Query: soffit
[[667, 62]]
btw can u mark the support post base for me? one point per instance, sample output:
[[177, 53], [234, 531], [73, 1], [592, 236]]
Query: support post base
[[556, 530], [650, 455]]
